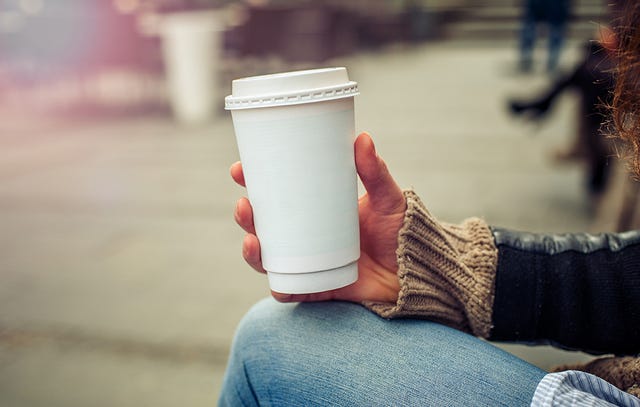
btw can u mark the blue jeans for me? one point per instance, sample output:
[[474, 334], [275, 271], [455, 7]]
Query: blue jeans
[[337, 353], [528, 38]]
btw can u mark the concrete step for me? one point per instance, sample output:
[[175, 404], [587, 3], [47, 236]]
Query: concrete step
[[506, 12], [501, 19], [500, 30]]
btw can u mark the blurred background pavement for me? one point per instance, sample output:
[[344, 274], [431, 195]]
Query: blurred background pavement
[[122, 278]]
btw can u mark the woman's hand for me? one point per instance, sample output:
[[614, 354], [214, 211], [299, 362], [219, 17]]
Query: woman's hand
[[381, 212]]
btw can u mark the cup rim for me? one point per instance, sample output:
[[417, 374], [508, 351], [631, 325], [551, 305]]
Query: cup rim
[[341, 91]]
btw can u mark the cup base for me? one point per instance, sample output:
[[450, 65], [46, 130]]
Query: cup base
[[319, 281]]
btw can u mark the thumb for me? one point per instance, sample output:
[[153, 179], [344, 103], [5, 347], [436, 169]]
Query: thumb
[[384, 193]]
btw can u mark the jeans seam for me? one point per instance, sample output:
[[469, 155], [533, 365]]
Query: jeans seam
[[246, 375]]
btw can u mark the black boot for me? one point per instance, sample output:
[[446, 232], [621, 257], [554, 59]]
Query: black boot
[[536, 109]]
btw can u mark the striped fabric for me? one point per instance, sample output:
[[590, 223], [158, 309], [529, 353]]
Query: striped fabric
[[574, 388]]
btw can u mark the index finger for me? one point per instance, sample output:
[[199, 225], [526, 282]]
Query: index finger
[[237, 174]]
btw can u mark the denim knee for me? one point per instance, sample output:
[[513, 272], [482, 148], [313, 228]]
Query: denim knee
[[264, 320], [264, 332], [341, 354], [252, 351]]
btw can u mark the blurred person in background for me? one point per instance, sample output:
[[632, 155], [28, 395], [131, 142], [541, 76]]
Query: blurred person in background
[[553, 14], [468, 281], [593, 80]]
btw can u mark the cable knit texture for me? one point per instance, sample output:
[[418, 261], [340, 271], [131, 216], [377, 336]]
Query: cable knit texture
[[446, 272]]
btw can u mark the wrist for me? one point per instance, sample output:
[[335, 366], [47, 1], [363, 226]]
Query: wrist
[[446, 272]]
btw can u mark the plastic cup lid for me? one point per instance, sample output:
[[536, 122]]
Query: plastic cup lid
[[290, 88]]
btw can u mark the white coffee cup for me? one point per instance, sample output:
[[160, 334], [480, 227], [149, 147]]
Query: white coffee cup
[[295, 133]]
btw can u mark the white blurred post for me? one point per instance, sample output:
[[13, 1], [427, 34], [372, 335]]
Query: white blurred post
[[191, 43]]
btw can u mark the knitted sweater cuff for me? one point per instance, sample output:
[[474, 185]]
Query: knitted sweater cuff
[[446, 272]]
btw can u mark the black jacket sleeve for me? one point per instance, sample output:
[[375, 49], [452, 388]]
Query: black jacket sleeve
[[574, 291]]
